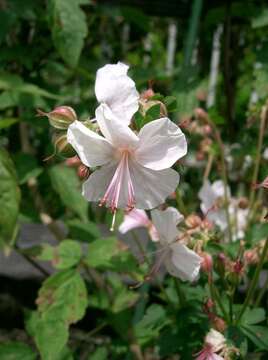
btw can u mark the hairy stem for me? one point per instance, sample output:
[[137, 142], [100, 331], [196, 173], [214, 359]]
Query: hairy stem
[[254, 282]]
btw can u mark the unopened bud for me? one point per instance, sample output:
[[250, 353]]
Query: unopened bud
[[73, 161], [147, 94], [83, 172], [251, 257], [61, 117], [193, 221], [201, 114], [207, 262], [243, 203], [238, 267], [219, 324], [62, 146], [146, 105]]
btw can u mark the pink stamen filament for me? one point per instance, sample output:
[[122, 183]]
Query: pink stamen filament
[[112, 194]]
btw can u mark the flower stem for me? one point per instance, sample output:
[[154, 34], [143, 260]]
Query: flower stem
[[218, 139], [261, 293], [180, 293], [264, 114], [254, 282]]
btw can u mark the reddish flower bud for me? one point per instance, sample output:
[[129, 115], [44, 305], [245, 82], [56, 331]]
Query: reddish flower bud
[[207, 262], [83, 172], [251, 257], [61, 117], [147, 94], [238, 267], [193, 221], [201, 113], [219, 324], [73, 161]]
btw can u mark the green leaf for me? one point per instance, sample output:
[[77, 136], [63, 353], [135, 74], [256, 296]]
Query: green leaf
[[153, 321], [14, 84], [256, 233], [257, 334], [66, 183], [50, 335], [261, 20], [83, 231], [26, 166], [63, 296], [15, 351], [69, 29], [64, 256], [171, 103], [7, 122], [99, 354], [9, 200], [153, 113], [110, 254], [62, 300], [253, 316]]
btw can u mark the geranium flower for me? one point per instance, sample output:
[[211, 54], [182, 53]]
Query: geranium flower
[[212, 206], [179, 260], [214, 343], [135, 168], [117, 90], [138, 218]]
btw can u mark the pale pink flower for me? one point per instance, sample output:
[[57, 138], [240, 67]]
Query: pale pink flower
[[179, 260], [117, 90], [212, 206], [134, 169], [214, 343], [138, 218]]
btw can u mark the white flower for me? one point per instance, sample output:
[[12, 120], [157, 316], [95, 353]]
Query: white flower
[[214, 343], [115, 89], [180, 261], [211, 196], [215, 339], [265, 154], [134, 169], [212, 206], [138, 218]]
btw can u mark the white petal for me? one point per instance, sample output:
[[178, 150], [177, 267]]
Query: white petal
[[95, 186], [183, 263], [93, 149], [134, 219], [166, 223], [215, 339], [114, 88], [116, 132], [152, 187], [162, 143]]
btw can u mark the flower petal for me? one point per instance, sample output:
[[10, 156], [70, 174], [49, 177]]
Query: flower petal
[[166, 223], [162, 143], [151, 187], [183, 263], [93, 149], [114, 88], [134, 219], [95, 186], [116, 132]]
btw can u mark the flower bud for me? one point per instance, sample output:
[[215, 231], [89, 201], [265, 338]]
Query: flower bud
[[219, 324], [201, 114], [83, 172], [62, 146], [207, 262], [243, 203], [73, 161], [147, 104], [61, 117], [251, 257], [192, 221], [147, 94]]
